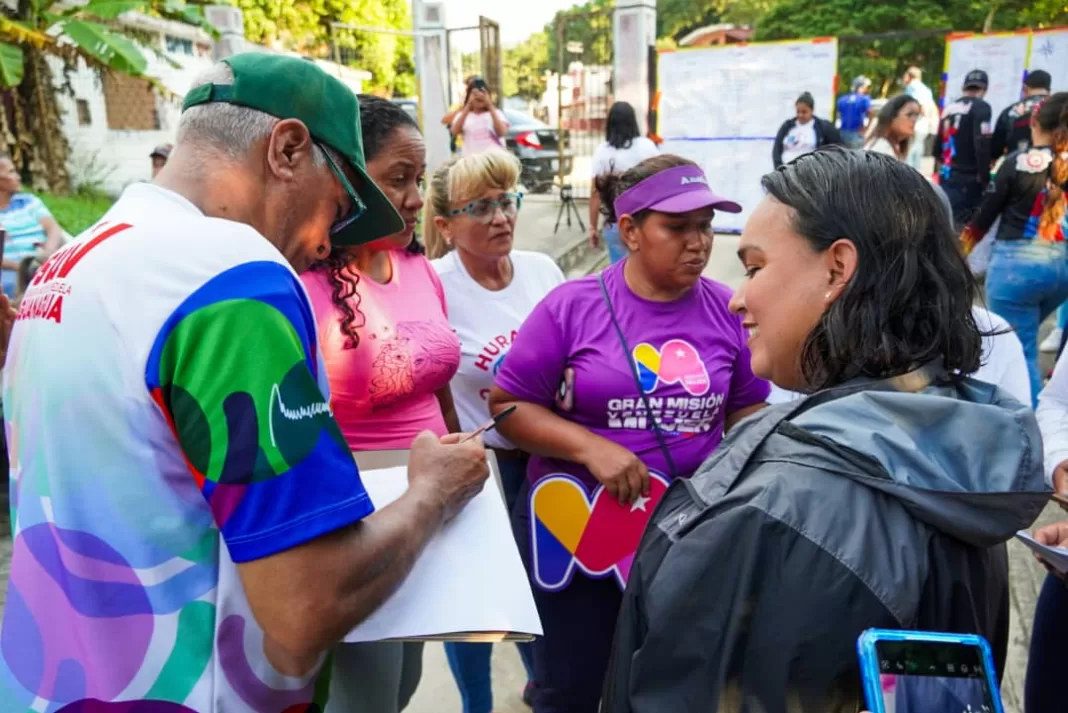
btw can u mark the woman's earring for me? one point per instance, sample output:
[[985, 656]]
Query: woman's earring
[[321, 250], [827, 296]]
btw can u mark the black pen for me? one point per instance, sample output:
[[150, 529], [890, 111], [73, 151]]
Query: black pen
[[490, 424]]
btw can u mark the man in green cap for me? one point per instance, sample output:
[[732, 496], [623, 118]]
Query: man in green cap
[[189, 527]]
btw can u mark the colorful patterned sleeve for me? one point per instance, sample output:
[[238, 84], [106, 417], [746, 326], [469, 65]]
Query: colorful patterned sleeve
[[235, 372]]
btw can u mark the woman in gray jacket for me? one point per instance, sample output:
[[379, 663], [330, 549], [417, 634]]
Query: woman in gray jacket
[[883, 499]]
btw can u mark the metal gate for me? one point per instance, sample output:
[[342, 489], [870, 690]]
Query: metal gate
[[387, 54], [583, 45], [488, 63]]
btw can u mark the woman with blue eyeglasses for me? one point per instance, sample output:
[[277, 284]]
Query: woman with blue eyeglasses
[[490, 289], [389, 353]]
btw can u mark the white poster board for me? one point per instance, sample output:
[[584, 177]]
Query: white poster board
[[469, 578], [1049, 51], [1002, 56], [723, 106]]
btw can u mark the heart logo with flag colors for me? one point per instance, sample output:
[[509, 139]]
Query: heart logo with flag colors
[[676, 362], [568, 527]]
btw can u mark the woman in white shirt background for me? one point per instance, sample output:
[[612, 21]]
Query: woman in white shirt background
[[623, 149], [803, 134], [895, 127], [490, 289]]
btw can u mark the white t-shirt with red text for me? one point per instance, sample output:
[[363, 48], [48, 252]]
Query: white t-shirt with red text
[[486, 322]]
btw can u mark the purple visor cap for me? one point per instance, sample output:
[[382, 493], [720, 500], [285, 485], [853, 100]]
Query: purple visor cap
[[676, 190]]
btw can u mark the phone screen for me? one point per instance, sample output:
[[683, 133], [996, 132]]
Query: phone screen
[[933, 677]]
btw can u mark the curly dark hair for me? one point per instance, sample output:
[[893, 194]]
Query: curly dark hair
[[910, 301], [379, 119]]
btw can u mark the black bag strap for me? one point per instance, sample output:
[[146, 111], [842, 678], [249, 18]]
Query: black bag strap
[[637, 379]]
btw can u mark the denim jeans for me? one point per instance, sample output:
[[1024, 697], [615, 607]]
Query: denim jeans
[[1026, 282], [470, 663], [853, 139], [964, 197], [616, 249]]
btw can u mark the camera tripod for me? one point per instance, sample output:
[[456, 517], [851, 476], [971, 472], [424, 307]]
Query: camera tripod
[[567, 205]]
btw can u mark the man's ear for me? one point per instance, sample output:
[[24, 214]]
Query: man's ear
[[288, 146]]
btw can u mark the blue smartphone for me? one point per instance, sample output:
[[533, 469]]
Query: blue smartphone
[[927, 672]]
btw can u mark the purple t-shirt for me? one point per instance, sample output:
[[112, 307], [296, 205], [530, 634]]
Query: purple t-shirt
[[691, 356]]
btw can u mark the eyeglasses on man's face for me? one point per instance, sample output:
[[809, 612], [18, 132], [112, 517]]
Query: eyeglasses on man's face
[[358, 207]]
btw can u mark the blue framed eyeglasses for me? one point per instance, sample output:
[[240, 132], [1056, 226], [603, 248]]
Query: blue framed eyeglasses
[[358, 206], [484, 209]]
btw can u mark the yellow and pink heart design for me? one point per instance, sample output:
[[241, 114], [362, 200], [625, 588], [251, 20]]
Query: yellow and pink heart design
[[569, 528]]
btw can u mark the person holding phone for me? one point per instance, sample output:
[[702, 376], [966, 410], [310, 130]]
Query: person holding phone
[[624, 381], [481, 124], [881, 500]]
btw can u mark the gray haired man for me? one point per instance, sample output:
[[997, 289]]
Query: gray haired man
[[190, 529]]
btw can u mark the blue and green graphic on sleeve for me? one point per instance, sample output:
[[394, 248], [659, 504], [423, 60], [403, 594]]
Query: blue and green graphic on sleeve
[[234, 370]]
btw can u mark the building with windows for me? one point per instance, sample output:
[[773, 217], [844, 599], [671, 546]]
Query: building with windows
[[113, 121]]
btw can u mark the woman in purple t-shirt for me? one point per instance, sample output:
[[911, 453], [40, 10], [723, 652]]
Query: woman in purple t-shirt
[[623, 381]]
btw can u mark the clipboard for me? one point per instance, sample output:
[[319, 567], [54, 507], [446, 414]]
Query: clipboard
[[493, 577]]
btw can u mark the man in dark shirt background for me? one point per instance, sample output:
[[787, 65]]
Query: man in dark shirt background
[[962, 149], [1012, 132]]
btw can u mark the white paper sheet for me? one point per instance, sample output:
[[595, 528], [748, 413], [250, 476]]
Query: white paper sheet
[[723, 106], [469, 578], [1002, 56], [1049, 51], [1057, 557]]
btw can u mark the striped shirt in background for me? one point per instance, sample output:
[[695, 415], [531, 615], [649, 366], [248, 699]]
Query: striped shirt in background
[[22, 221]]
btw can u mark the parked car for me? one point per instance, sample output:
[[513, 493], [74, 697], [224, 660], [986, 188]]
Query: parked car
[[411, 106], [537, 146]]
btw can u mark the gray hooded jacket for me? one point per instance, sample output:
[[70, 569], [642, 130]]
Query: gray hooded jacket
[[875, 504]]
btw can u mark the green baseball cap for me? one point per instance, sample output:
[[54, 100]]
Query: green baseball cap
[[294, 88]]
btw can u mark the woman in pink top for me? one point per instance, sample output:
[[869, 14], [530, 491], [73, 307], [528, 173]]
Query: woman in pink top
[[482, 125], [389, 354]]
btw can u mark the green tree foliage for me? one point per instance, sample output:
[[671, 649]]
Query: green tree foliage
[[524, 67], [587, 29], [885, 60], [32, 31], [305, 26]]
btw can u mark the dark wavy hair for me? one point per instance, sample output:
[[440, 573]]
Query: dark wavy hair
[[621, 128], [886, 117], [910, 301], [379, 120]]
